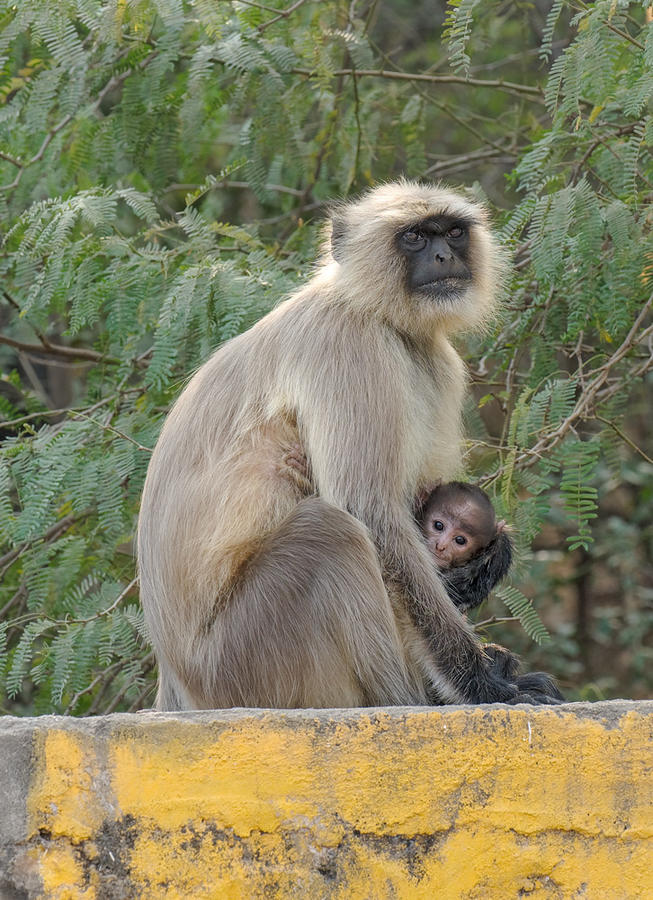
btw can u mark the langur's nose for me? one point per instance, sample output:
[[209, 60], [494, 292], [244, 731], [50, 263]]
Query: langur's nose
[[442, 258], [442, 251]]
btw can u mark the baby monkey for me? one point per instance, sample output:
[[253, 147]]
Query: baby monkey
[[473, 550]]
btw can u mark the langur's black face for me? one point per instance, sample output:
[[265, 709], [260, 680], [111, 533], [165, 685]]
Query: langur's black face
[[437, 256]]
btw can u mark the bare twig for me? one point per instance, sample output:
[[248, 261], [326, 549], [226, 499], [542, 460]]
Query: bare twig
[[623, 34], [20, 593], [495, 620], [59, 623], [11, 159], [242, 185], [147, 664], [34, 380], [105, 612], [108, 674], [460, 161], [46, 347], [111, 430], [281, 14], [137, 705], [91, 687], [11, 423], [608, 24], [39, 153], [624, 437], [625, 129]]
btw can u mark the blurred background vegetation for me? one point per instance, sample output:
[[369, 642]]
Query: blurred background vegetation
[[164, 169]]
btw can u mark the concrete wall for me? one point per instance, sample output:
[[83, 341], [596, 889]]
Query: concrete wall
[[457, 802]]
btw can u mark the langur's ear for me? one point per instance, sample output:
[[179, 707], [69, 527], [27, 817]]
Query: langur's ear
[[338, 235]]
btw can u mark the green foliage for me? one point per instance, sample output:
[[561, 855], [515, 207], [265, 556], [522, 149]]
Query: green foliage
[[458, 31], [578, 461], [163, 170]]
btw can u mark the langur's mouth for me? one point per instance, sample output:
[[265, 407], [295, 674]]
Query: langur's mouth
[[453, 284]]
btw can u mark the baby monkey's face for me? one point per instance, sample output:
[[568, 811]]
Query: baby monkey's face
[[455, 530]]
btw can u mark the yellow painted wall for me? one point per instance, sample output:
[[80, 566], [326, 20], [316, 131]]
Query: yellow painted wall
[[484, 802]]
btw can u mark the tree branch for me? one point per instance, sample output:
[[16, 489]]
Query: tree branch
[[111, 430], [497, 84], [624, 437], [45, 348], [584, 405], [53, 532], [281, 14], [113, 82]]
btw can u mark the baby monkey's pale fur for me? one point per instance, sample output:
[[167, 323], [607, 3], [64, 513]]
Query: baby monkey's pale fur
[[255, 595]]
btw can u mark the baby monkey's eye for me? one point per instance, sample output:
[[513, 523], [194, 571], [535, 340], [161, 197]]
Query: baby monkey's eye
[[412, 237], [459, 539], [438, 525], [456, 231]]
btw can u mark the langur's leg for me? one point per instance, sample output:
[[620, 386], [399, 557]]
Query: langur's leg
[[309, 623]]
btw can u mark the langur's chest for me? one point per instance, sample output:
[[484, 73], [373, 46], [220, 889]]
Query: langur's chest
[[430, 401], [434, 409]]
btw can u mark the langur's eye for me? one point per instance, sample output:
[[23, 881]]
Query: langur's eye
[[459, 539], [438, 525], [413, 239], [455, 232]]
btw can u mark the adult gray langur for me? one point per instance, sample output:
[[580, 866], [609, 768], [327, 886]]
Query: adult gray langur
[[256, 595]]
